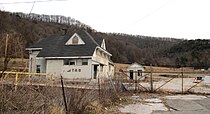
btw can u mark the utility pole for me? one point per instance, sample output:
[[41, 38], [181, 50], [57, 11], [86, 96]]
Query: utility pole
[[6, 47]]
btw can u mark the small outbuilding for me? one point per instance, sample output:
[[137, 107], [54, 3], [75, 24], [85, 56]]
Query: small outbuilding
[[135, 71]]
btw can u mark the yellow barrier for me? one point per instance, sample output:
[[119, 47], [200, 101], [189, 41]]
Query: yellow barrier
[[52, 76]]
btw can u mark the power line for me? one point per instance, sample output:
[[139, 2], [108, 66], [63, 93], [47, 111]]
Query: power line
[[149, 14], [8, 3], [32, 8]]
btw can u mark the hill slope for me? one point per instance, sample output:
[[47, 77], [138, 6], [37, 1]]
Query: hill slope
[[124, 48], [191, 53]]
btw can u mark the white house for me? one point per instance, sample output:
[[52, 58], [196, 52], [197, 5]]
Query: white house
[[135, 71], [74, 56]]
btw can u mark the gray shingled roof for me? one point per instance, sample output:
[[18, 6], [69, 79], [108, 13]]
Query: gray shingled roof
[[54, 46]]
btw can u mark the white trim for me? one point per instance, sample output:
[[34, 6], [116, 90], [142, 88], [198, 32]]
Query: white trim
[[33, 48], [104, 50], [97, 63], [80, 42], [86, 57]]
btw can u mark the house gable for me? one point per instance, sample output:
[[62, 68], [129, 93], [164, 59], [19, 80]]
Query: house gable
[[103, 45], [75, 40]]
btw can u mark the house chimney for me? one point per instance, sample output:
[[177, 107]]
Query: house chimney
[[65, 30]]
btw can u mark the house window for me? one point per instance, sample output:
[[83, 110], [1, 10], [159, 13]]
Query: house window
[[69, 62], [75, 40], [82, 62], [66, 62], [38, 68], [85, 62]]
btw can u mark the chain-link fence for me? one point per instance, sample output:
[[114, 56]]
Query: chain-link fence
[[155, 81]]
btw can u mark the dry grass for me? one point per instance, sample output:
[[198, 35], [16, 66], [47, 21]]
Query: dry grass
[[49, 99], [34, 99]]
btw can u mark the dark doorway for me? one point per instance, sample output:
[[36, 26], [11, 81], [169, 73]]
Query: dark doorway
[[95, 71], [131, 74], [139, 72]]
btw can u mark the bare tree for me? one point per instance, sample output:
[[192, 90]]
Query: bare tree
[[12, 46]]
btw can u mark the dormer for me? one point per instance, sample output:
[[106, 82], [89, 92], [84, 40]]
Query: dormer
[[75, 40], [103, 45]]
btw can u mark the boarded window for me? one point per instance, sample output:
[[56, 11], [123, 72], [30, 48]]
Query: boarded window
[[82, 62], [79, 61], [75, 40], [66, 62], [69, 62], [85, 62]]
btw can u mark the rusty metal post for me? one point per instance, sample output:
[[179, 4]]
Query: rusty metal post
[[119, 81], [151, 81], [64, 96], [99, 90], [135, 81], [182, 81]]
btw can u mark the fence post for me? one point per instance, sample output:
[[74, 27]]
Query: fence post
[[151, 81], [64, 96], [135, 73], [16, 81], [119, 86], [182, 82], [99, 89]]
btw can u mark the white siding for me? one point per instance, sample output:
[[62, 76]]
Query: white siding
[[69, 71], [102, 58], [54, 66], [77, 71], [42, 62], [34, 61]]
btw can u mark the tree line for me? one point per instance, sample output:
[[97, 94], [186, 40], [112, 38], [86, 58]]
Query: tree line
[[125, 48]]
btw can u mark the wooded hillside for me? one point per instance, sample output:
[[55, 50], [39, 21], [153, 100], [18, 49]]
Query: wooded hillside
[[146, 50]]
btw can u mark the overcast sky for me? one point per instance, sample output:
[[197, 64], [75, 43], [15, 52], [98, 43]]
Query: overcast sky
[[188, 19]]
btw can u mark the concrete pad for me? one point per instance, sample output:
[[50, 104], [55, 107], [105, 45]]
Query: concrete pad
[[184, 105], [204, 102], [146, 108], [190, 112]]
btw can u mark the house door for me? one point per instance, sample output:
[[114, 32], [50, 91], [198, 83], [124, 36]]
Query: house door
[[95, 71], [131, 74]]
